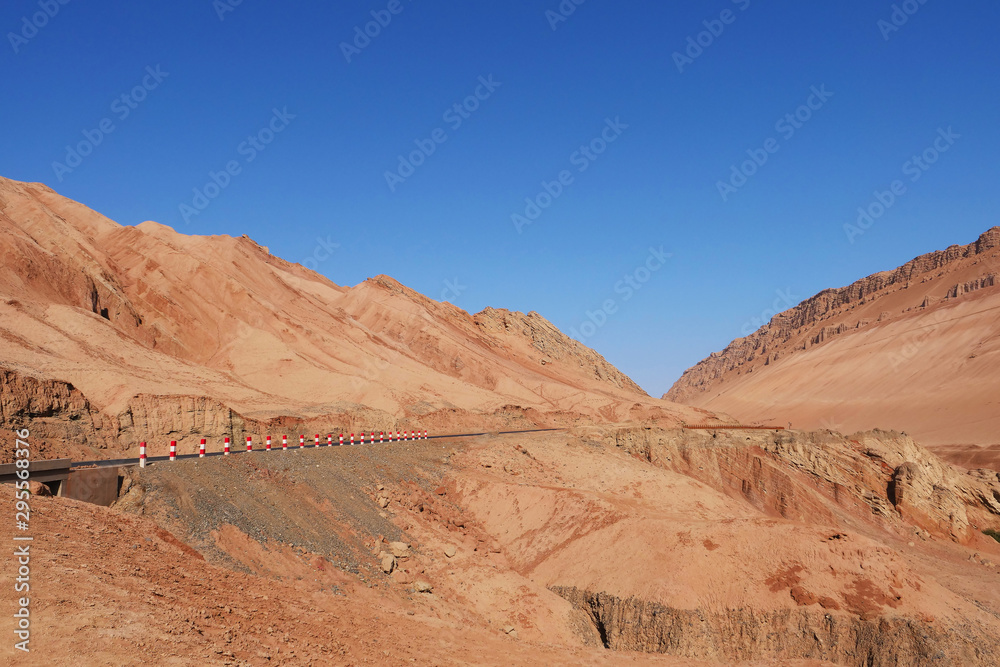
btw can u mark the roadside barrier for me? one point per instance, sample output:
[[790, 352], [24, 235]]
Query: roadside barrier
[[202, 453]]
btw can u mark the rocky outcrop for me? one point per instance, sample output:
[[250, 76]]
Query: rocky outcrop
[[971, 286], [884, 477], [55, 413], [552, 345], [735, 635]]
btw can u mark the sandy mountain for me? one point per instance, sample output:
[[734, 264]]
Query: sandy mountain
[[617, 539], [115, 334], [914, 349]]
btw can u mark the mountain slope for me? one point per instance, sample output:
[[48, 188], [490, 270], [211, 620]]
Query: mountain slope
[[915, 349], [124, 312]]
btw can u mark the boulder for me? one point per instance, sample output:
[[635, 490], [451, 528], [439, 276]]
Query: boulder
[[388, 563]]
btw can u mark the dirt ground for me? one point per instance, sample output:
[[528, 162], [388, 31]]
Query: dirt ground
[[458, 552]]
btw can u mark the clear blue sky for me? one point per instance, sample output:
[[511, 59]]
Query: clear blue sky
[[657, 184]]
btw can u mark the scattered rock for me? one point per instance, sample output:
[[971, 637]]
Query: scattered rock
[[450, 551], [441, 491], [402, 577], [399, 549], [388, 563], [828, 603], [38, 489], [422, 587], [803, 597]]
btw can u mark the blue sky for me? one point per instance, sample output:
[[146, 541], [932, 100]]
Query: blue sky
[[640, 137]]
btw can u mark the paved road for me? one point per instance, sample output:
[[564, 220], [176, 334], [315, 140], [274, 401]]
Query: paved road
[[107, 463]]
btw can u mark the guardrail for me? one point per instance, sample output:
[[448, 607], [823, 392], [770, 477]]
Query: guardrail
[[51, 470], [733, 427]]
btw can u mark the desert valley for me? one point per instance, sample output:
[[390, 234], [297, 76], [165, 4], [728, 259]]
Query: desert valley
[[587, 523]]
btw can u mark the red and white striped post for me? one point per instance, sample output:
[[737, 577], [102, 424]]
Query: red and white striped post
[[372, 438], [173, 450], [352, 438], [341, 439], [398, 438], [249, 443], [302, 441], [284, 443], [425, 435], [142, 455], [362, 437], [329, 440], [317, 439], [201, 449], [381, 435], [267, 446], [225, 449]]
